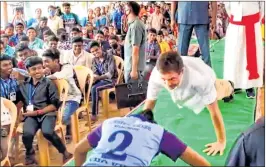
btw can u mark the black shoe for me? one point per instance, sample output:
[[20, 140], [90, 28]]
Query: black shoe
[[228, 99], [30, 158], [66, 156], [68, 139], [237, 91], [250, 93]]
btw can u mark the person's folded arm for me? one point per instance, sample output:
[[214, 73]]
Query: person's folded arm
[[66, 72]]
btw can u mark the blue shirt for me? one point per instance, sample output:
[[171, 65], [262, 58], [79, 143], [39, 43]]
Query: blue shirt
[[8, 86], [103, 20], [32, 22], [83, 21], [117, 19], [15, 38], [193, 12], [97, 22], [36, 44], [9, 51], [70, 20]]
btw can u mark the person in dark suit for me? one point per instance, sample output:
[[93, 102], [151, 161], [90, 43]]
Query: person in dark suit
[[249, 148]]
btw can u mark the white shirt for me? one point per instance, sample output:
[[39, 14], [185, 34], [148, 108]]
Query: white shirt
[[84, 59], [55, 23], [5, 115], [196, 90], [67, 73]]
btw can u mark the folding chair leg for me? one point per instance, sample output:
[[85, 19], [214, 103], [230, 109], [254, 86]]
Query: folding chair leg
[[105, 100], [44, 150], [62, 135], [16, 145], [75, 128], [89, 119]]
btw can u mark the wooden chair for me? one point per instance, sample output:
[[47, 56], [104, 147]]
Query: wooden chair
[[13, 112], [44, 159], [105, 93], [84, 74]]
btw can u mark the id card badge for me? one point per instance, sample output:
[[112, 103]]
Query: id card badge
[[238, 13], [12, 96], [30, 108]]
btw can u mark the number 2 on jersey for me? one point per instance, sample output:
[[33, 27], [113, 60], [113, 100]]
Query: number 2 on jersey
[[113, 154]]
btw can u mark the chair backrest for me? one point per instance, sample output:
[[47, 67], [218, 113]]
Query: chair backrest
[[13, 113], [63, 88], [84, 74], [120, 68]]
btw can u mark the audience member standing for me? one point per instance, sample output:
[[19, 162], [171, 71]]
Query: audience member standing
[[32, 22], [134, 44], [117, 19], [243, 59], [193, 15], [156, 19], [69, 19]]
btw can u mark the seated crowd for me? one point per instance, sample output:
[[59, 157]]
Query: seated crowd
[[43, 49]]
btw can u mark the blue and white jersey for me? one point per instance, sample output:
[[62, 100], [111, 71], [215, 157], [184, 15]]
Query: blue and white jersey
[[127, 141]]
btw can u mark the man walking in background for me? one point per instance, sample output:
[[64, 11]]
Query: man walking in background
[[193, 15]]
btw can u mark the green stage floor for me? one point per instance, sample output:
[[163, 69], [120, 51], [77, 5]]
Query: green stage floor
[[197, 130]]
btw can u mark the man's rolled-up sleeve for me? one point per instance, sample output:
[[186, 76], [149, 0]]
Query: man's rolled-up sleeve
[[95, 136], [171, 146], [136, 36], [65, 73]]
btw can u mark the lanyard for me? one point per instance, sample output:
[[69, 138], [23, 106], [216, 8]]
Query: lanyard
[[100, 68], [150, 47], [77, 59], [31, 92]]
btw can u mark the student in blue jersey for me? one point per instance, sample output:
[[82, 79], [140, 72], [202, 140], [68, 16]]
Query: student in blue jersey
[[133, 141], [69, 19]]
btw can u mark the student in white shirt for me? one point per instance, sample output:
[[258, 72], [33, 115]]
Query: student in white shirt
[[51, 60], [192, 84], [77, 55]]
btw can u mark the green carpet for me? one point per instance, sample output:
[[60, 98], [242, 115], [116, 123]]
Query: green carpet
[[197, 130]]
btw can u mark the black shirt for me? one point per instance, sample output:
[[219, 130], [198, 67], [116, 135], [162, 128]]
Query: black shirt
[[249, 147], [45, 94]]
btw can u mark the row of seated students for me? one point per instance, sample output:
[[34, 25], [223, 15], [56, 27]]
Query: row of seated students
[[38, 95]]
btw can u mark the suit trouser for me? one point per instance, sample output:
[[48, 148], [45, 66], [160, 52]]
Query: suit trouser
[[202, 33]]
